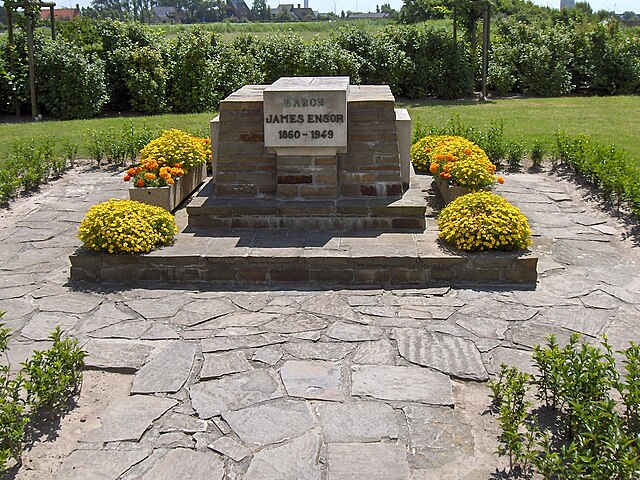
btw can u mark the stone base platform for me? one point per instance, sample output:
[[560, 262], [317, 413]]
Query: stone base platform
[[353, 213], [283, 257]]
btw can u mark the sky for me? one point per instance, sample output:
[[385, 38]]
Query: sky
[[618, 6]]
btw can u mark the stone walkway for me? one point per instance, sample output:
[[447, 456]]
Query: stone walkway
[[298, 384]]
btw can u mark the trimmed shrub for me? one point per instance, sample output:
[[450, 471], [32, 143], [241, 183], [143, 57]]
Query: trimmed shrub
[[606, 166], [232, 70], [323, 57], [146, 79], [193, 73], [69, 84], [119, 40], [441, 68], [277, 55], [381, 60], [126, 227], [483, 221]]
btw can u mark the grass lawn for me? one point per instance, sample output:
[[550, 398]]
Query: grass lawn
[[79, 131], [608, 119], [306, 30]]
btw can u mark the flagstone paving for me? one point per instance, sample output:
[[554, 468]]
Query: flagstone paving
[[302, 384]]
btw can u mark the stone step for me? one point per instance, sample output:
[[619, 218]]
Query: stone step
[[354, 213], [306, 257]]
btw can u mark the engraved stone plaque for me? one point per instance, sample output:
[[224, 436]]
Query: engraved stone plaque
[[306, 115]]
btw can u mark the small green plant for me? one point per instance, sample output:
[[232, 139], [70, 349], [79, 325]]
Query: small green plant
[[115, 147], [538, 151], [43, 385], [580, 430], [54, 375], [493, 143], [13, 418], [515, 152], [135, 139], [508, 393], [96, 146], [70, 152]]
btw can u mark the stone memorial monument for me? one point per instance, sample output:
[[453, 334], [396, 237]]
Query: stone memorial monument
[[311, 153], [311, 182]]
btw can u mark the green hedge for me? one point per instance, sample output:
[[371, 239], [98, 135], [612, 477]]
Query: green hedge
[[117, 66], [552, 60], [606, 166]]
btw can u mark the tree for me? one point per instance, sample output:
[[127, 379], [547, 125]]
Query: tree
[[414, 11], [386, 8], [259, 9]]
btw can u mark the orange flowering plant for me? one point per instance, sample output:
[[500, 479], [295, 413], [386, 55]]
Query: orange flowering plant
[[457, 160], [167, 158]]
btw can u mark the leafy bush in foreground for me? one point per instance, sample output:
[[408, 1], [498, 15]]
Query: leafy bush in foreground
[[587, 427], [44, 385]]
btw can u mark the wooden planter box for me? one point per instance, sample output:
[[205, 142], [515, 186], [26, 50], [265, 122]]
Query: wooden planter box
[[171, 196], [450, 193]]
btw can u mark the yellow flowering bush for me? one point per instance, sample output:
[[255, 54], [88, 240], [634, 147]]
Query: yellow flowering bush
[[419, 155], [457, 160], [484, 221], [126, 226], [168, 157]]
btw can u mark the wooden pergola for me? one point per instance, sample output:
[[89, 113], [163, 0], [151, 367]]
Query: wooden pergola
[[28, 13]]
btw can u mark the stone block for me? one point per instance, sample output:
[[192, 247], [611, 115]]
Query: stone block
[[294, 179], [350, 189], [252, 274], [441, 274], [521, 273], [289, 274], [394, 189], [287, 190], [313, 191], [341, 276], [325, 161], [235, 189], [408, 223], [477, 275]]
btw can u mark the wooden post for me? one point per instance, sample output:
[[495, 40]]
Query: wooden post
[[454, 17], [485, 48], [12, 60], [53, 23], [32, 67]]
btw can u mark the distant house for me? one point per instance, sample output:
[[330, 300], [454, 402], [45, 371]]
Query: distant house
[[304, 14], [370, 15], [294, 13], [61, 13], [283, 10], [239, 9], [630, 22], [167, 15]]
